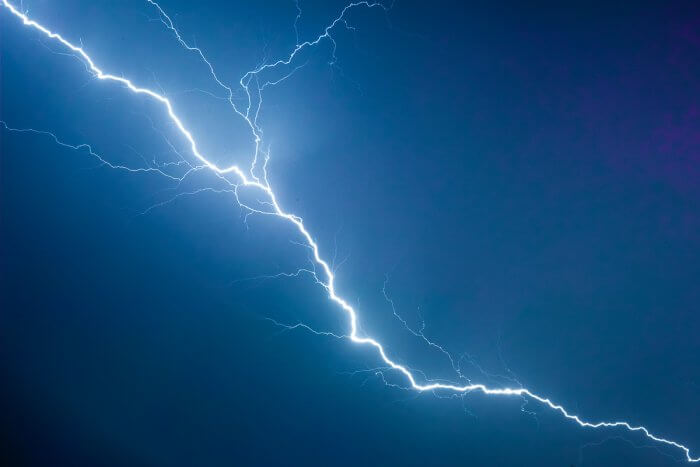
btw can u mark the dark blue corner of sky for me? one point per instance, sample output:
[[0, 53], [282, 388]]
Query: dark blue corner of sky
[[520, 178]]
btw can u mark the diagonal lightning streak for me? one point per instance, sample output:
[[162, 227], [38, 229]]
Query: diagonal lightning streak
[[252, 181]]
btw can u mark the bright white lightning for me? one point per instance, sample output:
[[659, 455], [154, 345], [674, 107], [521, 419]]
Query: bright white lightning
[[254, 182]]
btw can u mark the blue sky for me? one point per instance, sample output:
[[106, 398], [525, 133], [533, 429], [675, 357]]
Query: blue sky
[[521, 182]]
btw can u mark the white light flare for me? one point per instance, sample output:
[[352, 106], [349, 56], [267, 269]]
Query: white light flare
[[329, 283]]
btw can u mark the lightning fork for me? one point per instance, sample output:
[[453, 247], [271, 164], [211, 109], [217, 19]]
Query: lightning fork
[[329, 284]]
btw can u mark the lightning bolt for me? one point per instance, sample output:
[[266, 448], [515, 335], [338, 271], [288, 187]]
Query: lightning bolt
[[259, 182]]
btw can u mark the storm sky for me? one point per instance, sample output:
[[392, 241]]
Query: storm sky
[[519, 181]]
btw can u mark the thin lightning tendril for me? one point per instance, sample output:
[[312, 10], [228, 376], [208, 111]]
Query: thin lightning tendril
[[254, 181], [87, 148]]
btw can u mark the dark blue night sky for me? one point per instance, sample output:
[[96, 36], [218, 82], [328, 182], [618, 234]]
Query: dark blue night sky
[[521, 181]]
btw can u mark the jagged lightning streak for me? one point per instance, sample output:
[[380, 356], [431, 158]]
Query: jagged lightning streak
[[329, 284]]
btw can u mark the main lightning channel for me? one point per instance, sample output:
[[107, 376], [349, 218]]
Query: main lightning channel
[[329, 284]]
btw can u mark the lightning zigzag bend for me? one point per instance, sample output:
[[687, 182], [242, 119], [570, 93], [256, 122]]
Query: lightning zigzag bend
[[255, 182]]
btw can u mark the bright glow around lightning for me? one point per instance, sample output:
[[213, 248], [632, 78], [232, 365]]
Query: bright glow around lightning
[[256, 178]]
